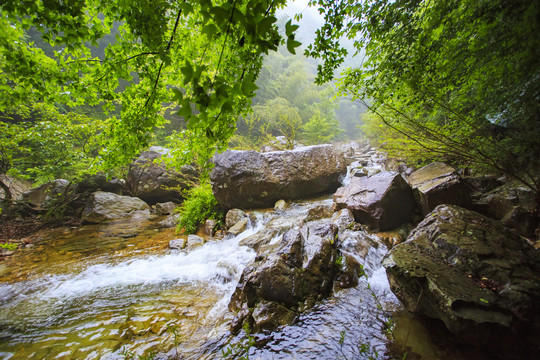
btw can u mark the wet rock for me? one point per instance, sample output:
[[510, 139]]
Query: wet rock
[[436, 184], [250, 179], [103, 207], [269, 315], [343, 219], [355, 248], [273, 229], [178, 244], [513, 204], [210, 227], [300, 268], [383, 201], [281, 205], [39, 196], [320, 212], [233, 216], [149, 178], [482, 184], [99, 182], [166, 208], [239, 227], [194, 241], [170, 221], [480, 278]]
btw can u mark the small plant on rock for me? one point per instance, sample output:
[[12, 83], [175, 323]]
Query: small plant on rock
[[200, 204]]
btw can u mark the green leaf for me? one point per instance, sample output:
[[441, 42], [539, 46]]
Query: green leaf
[[185, 109], [186, 8], [248, 86], [211, 30], [187, 71], [292, 45], [178, 96], [265, 25], [290, 29], [221, 16]]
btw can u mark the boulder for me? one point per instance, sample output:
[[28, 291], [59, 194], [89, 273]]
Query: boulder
[[382, 201], [281, 205], [343, 219], [480, 278], [170, 221], [99, 182], [268, 315], [194, 241], [273, 230], [290, 274], [233, 216], [178, 244], [103, 207], [249, 179], [513, 204], [320, 212], [150, 179], [210, 227], [166, 208], [239, 227], [15, 186], [436, 184], [355, 248], [39, 196]]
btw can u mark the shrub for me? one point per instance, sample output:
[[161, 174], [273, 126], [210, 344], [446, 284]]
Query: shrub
[[200, 204]]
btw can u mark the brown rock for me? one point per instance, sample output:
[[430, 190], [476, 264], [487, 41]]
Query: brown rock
[[382, 201]]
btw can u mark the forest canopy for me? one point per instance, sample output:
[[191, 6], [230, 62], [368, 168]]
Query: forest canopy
[[453, 80], [200, 57]]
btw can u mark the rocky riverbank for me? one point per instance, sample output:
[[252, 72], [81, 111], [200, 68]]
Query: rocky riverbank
[[470, 260]]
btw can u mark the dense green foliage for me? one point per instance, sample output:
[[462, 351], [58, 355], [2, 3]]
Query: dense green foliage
[[41, 144], [453, 80], [200, 205], [456, 80], [202, 56], [288, 103]]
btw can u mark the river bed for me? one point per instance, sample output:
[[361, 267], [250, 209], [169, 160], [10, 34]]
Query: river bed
[[118, 292]]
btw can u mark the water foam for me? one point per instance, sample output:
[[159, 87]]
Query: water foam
[[218, 263]]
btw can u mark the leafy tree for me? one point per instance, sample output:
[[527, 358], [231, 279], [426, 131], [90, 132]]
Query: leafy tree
[[252, 132], [459, 79], [320, 129], [201, 55], [43, 144]]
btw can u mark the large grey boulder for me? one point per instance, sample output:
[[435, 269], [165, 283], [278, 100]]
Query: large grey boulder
[[16, 187], [480, 278], [513, 204], [99, 182], [41, 195], [382, 201], [151, 180], [104, 207], [249, 179], [436, 184], [288, 276]]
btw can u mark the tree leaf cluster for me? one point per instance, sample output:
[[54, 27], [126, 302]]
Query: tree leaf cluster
[[203, 56], [457, 80]]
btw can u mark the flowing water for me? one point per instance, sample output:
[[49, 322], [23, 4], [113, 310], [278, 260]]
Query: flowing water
[[118, 292]]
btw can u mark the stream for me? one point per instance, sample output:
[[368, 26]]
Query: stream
[[117, 291]]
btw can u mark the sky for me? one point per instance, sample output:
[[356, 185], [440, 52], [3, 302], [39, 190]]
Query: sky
[[310, 21]]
